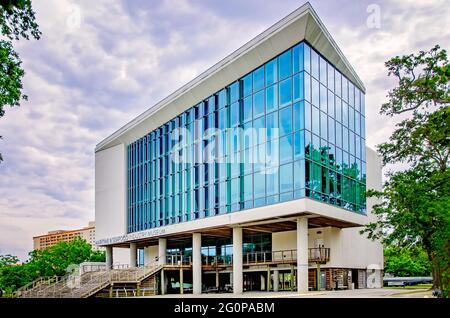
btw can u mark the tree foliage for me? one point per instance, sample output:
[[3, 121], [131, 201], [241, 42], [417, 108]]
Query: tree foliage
[[413, 210], [8, 260], [52, 261], [17, 20], [406, 262]]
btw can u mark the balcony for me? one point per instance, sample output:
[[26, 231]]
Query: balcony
[[320, 255]]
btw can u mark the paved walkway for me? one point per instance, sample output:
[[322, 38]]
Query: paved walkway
[[357, 293]]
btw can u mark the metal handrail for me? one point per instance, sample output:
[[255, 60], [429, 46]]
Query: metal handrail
[[319, 254], [28, 288], [217, 260], [178, 259], [283, 256]]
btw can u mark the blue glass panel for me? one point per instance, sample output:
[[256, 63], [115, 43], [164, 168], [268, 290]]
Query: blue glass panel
[[258, 79], [299, 115], [345, 114], [338, 109], [315, 64], [285, 92], [351, 118], [338, 83], [299, 144], [235, 190], [357, 100], [363, 104], [299, 174], [345, 142], [234, 114], [272, 154], [222, 120], [247, 159], [323, 98], [272, 182], [259, 185], [307, 55], [315, 92], [338, 134], [285, 65], [351, 94], [315, 121], [345, 89], [299, 87], [260, 157], [298, 58], [358, 147], [271, 125], [286, 178], [247, 109], [331, 103], [331, 135], [285, 121], [247, 86], [330, 71], [323, 71], [308, 116], [258, 125], [271, 98], [307, 87], [234, 92], [286, 149], [351, 148], [363, 127], [258, 104], [248, 187], [271, 72], [323, 125]]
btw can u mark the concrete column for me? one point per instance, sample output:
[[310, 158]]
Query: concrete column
[[263, 282], [276, 280], [181, 281], [109, 257], [162, 249], [217, 279], [237, 260], [163, 283], [302, 255], [197, 263], [133, 255]]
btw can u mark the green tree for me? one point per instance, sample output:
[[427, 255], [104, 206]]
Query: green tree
[[52, 261], [413, 209], [8, 260], [17, 20], [406, 262], [55, 260]]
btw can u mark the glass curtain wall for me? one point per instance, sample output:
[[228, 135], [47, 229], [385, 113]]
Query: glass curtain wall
[[314, 123]]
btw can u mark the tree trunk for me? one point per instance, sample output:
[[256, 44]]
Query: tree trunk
[[436, 273]]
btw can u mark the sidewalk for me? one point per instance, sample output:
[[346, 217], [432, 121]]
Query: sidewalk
[[357, 293]]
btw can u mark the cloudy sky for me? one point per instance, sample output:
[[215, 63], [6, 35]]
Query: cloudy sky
[[99, 64]]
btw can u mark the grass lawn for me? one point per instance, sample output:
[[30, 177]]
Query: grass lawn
[[419, 286]]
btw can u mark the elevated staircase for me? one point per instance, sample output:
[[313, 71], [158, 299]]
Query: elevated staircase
[[89, 284]]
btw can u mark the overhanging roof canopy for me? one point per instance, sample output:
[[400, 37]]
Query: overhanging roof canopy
[[302, 24]]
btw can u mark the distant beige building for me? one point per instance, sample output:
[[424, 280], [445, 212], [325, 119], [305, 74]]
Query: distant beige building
[[52, 237]]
